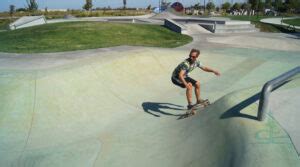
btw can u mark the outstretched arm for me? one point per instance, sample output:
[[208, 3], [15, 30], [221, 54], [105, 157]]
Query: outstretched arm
[[207, 69]]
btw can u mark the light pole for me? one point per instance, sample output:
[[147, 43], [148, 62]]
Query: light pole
[[159, 6]]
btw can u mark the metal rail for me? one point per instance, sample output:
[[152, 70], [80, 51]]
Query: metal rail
[[269, 87]]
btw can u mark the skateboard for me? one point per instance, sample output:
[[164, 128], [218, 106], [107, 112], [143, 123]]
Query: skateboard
[[192, 111]]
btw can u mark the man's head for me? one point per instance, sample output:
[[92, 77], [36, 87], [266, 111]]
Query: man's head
[[194, 54]]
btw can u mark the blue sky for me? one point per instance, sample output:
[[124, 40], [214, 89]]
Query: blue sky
[[77, 4]]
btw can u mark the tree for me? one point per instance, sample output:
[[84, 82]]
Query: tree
[[124, 4], [277, 4], [226, 6], [236, 6], [197, 6], [21, 10], [261, 6], [210, 6], [32, 5], [292, 5], [149, 7], [254, 4], [12, 10], [88, 5], [268, 4], [246, 7]]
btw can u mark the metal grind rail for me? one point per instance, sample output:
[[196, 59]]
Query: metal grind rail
[[269, 87]]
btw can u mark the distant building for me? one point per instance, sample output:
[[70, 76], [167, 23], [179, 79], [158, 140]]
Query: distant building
[[193, 11], [177, 6]]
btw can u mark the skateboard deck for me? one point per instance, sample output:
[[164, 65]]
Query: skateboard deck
[[192, 111]]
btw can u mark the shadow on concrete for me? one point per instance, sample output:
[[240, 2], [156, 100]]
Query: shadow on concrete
[[294, 35], [285, 29], [155, 109], [235, 111]]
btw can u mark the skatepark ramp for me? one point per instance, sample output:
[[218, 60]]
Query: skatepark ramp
[[118, 107], [176, 27]]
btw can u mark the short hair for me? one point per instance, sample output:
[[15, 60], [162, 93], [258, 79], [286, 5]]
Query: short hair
[[194, 50]]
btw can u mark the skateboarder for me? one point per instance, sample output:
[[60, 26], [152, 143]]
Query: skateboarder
[[180, 76]]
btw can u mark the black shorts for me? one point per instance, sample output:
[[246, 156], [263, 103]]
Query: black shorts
[[187, 79]]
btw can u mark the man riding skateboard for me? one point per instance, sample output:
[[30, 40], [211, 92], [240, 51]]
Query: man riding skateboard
[[180, 77]]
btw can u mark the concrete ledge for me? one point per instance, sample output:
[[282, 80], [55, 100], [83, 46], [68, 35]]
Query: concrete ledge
[[202, 20], [237, 22], [249, 30], [174, 26], [28, 21]]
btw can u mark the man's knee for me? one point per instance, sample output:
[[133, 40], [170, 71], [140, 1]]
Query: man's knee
[[189, 86], [197, 85]]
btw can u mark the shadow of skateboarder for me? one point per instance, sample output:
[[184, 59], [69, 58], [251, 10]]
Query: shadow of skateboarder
[[156, 109]]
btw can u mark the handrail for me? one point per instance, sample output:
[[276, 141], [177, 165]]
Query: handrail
[[269, 87]]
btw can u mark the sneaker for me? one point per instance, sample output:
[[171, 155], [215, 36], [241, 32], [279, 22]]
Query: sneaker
[[201, 101], [190, 106]]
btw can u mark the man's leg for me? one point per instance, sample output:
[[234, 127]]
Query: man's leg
[[189, 89], [189, 93], [197, 91]]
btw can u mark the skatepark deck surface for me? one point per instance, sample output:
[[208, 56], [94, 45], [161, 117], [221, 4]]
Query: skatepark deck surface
[[118, 107]]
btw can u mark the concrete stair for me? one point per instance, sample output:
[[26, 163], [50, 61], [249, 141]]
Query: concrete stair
[[196, 29], [235, 28], [230, 27], [214, 25]]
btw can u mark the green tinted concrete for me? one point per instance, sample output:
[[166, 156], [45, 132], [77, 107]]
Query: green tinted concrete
[[110, 109]]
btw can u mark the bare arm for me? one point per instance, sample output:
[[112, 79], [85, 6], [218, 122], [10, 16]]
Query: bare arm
[[207, 69]]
